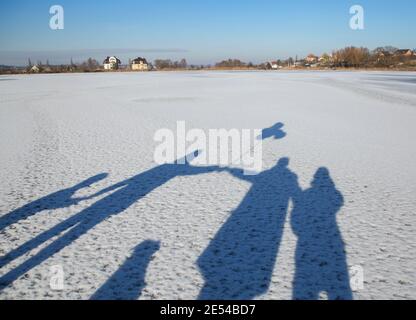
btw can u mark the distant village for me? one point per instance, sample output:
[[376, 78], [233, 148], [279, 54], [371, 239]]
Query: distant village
[[350, 57]]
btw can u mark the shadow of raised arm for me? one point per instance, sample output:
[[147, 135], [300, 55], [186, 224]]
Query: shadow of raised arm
[[240, 174], [185, 167]]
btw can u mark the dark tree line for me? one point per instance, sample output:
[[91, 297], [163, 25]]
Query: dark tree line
[[161, 64], [231, 63], [383, 57], [90, 65], [349, 57]]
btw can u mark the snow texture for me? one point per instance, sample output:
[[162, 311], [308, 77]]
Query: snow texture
[[79, 188]]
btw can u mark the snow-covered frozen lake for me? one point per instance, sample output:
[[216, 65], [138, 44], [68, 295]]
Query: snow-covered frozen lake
[[80, 192]]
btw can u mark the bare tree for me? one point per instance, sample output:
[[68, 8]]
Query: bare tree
[[163, 64], [183, 64], [230, 63], [90, 65], [351, 57]]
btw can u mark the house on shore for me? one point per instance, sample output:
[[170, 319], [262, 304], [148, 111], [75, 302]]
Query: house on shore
[[273, 65], [35, 69], [311, 58], [383, 56], [111, 63], [325, 59], [404, 53], [139, 64]]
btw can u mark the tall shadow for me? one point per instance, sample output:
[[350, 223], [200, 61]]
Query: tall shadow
[[123, 195], [275, 131], [320, 254], [239, 261], [60, 199], [128, 281]]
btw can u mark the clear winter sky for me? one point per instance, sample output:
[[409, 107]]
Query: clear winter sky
[[203, 32]]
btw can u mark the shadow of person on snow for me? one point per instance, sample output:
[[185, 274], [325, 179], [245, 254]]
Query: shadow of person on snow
[[56, 200], [320, 252], [123, 195], [239, 261], [128, 281]]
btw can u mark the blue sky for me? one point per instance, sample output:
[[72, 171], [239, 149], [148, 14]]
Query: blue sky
[[203, 32]]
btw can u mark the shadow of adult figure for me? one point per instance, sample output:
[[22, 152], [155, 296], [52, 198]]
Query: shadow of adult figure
[[320, 254], [60, 199], [275, 131], [123, 195], [128, 281], [239, 261]]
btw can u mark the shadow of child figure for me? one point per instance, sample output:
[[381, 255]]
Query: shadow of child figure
[[57, 200], [128, 281], [320, 253]]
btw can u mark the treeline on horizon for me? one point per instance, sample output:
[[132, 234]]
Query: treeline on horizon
[[387, 57]]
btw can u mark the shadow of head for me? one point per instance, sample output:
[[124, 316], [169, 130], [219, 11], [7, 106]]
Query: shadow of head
[[322, 178], [274, 131], [146, 248], [283, 162], [281, 167]]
